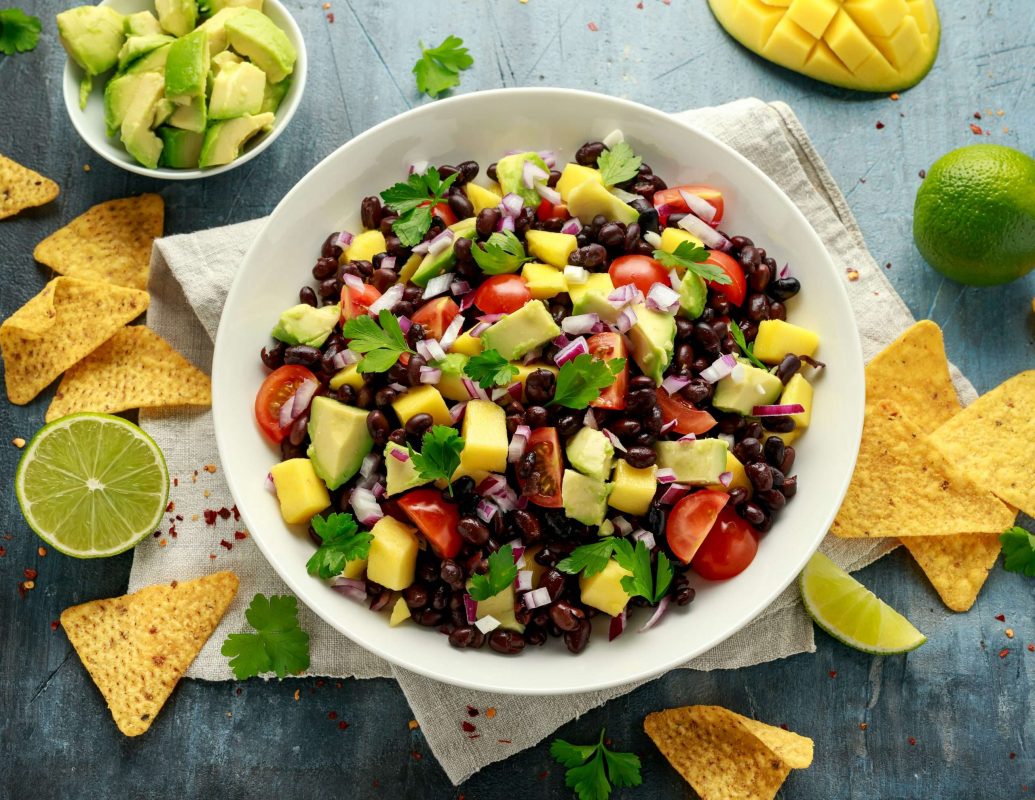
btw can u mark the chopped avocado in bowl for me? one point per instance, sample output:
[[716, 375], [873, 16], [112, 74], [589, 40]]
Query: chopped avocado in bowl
[[178, 89]]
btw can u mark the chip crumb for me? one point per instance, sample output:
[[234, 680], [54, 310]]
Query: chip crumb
[[1009, 633], [976, 129], [863, 726], [210, 469], [163, 542], [853, 274], [413, 725], [912, 741], [1031, 648], [207, 493], [41, 551], [1004, 652], [30, 585], [18, 442], [894, 95], [326, 6], [298, 693]]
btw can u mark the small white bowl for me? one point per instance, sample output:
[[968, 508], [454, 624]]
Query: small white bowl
[[89, 122]]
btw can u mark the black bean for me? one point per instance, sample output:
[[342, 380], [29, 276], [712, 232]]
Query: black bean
[[464, 636], [682, 591], [738, 494], [383, 278], [536, 416], [773, 498], [753, 430], [415, 596], [760, 475], [460, 205], [429, 618], [565, 616], [790, 486], [784, 288], [788, 460], [555, 176], [759, 278], [749, 329], [379, 427], [302, 354], [775, 451], [778, 424], [384, 396], [298, 431], [640, 401], [588, 154], [325, 268], [698, 391], [370, 212], [731, 423], [419, 424], [330, 248], [673, 219], [740, 242], [506, 642], [404, 308], [788, 367], [485, 224], [577, 639], [653, 420], [394, 246], [777, 310], [644, 439], [592, 255], [273, 356], [467, 171], [528, 525], [749, 256], [757, 307], [705, 337], [684, 356], [778, 478], [553, 581], [640, 457], [386, 223], [719, 304], [751, 513], [612, 234], [473, 531], [491, 172], [748, 450], [523, 221], [625, 427], [329, 289], [568, 422]]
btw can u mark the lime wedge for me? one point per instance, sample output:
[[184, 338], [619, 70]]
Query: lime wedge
[[92, 485], [853, 614]]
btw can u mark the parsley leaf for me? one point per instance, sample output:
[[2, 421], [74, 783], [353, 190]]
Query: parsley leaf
[[503, 253], [342, 542], [591, 558], [747, 349], [581, 380], [692, 257], [642, 583], [502, 572], [589, 768], [382, 346], [279, 644], [618, 164], [19, 33], [440, 454], [489, 369], [439, 67], [413, 200], [1018, 551]]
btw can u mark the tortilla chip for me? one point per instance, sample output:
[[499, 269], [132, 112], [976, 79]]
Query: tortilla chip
[[903, 486], [111, 242], [993, 441], [957, 566], [135, 368], [22, 188], [137, 647], [723, 755], [65, 322]]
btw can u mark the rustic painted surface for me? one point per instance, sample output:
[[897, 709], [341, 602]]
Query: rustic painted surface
[[968, 711]]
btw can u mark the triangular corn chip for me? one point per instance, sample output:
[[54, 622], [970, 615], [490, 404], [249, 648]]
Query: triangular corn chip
[[957, 566], [913, 373], [22, 188]]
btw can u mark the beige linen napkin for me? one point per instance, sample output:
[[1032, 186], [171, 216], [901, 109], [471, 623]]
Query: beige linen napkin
[[190, 277]]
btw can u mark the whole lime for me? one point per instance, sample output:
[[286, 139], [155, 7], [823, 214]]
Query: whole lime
[[974, 217]]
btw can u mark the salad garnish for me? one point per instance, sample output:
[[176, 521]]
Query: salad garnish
[[381, 346], [19, 33], [692, 258], [413, 202], [581, 380], [439, 67], [489, 369], [747, 349], [503, 253], [1018, 551], [278, 645], [342, 542], [439, 455], [502, 573], [618, 164], [592, 769]]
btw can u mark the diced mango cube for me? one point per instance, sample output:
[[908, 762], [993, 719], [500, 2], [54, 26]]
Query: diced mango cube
[[422, 400], [400, 613], [847, 41], [365, 246], [467, 344], [604, 590], [924, 13], [824, 64], [574, 174], [877, 17], [481, 198], [485, 438], [543, 280], [875, 68], [633, 488], [408, 269], [797, 390], [902, 45], [671, 238], [757, 21], [789, 42], [813, 15], [599, 282], [777, 338], [392, 561], [354, 569], [300, 492], [553, 248], [350, 376]]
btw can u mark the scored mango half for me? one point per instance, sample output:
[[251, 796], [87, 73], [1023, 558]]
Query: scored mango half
[[869, 45]]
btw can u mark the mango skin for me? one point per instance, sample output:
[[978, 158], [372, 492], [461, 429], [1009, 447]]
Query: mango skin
[[866, 45]]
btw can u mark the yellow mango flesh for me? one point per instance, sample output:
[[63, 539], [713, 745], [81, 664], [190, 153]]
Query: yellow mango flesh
[[485, 438], [633, 488], [604, 590], [392, 560], [350, 376], [574, 174], [481, 198], [777, 338], [869, 45], [552, 248], [300, 491], [400, 613], [543, 281], [467, 344], [797, 390], [422, 400], [365, 246], [599, 282], [671, 238]]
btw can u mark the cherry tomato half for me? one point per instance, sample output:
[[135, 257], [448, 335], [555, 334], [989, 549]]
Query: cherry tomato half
[[547, 448], [729, 548], [436, 315], [442, 211], [737, 289], [274, 392], [688, 419], [436, 518], [606, 346], [671, 201], [502, 294], [641, 271], [690, 521], [547, 211], [357, 302]]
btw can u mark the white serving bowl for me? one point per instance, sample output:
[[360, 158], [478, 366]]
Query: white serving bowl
[[89, 122], [483, 126]]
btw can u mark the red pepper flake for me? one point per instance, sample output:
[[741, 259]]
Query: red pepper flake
[[880, 125], [236, 513], [912, 741], [212, 556], [30, 574], [976, 129], [237, 691], [240, 535], [55, 625], [342, 725], [176, 481], [467, 727], [863, 726], [832, 674], [475, 736], [977, 115], [330, 17], [224, 513], [172, 530], [888, 265], [22, 589], [3, 551], [416, 756], [784, 726], [332, 715], [1001, 617], [170, 508], [1031, 648], [337, 684], [226, 544], [507, 741], [179, 517], [1004, 652], [546, 773], [376, 784], [210, 516], [593, 27], [320, 683], [472, 711], [1013, 756], [923, 174]]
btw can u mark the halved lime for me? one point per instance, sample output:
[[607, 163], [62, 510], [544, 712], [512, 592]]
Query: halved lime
[[853, 614], [92, 485]]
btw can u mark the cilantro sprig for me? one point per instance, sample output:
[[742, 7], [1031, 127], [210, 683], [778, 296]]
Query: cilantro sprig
[[618, 164], [502, 572], [278, 645], [503, 253], [590, 559], [592, 769], [691, 257], [342, 542], [413, 200], [1018, 551], [19, 33], [439, 454], [439, 67], [646, 582], [747, 349], [581, 380], [381, 346], [489, 369]]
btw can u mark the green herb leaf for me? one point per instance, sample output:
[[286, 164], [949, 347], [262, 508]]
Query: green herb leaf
[[581, 380], [592, 769], [382, 346], [439, 67], [502, 572], [440, 454], [342, 542], [279, 645], [590, 559], [745, 348], [618, 164], [489, 369], [503, 253], [413, 200], [691, 257], [1018, 551], [642, 582], [19, 33]]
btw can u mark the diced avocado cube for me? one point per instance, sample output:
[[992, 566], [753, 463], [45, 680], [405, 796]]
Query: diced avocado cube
[[521, 332], [425, 399], [543, 281], [365, 246], [510, 173], [164, 109], [236, 90], [590, 198], [177, 17], [191, 117], [653, 340], [118, 97], [552, 248], [596, 303], [756, 388], [671, 238], [303, 324], [467, 344], [573, 175], [92, 36], [604, 590], [797, 390], [485, 438], [136, 133], [186, 69], [501, 607], [584, 498], [777, 338], [451, 384], [136, 47], [215, 6], [220, 60], [350, 376], [224, 140], [632, 489], [215, 29], [591, 453], [400, 613], [435, 264], [340, 440], [392, 561], [400, 475], [300, 491], [693, 293], [598, 282], [152, 62], [273, 95], [143, 23], [480, 197], [524, 370], [257, 38], [696, 462], [180, 148]]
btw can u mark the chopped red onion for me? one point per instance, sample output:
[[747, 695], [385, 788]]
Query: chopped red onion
[[719, 368], [551, 196], [350, 587], [441, 242], [392, 295], [537, 598], [516, 390], [478, 329], [487, 624], [490, 318], [531, 355], [572, 226], [511, 204], [343, 239], [505, 224], [466, 301], [364, 503], [398, 387], [613, 138], [420, 249], [615, 440], [506, 504], [269, 485], [560, 340], [456, 412], [673, 279], [450, 334], [577, 347], [517, 443], [405, 324], [498, 392], [622, 295], [522, 502], [666, 475], [590, 420], [659, 612], [523, 582], [668, 426], [726, 478], [705, 232], [674, 492], [646, 537], [579, 323], [471, 607], [369, 465], [673, 383], [418, 168], [431, 350], [400, 454], [494, 486], [430, 375], [531, 173], [549, 157], [687, 437], [728, 439], [474, 390], [459, 288], [785, 271], [737, 373], [436, 286], [352, 281], [485, 510], [626, 319], [576, 275], [298, 403], [616, 626], [653, 239], [698, 205], [777, 410], [378, 490], [599, 327], [388, 262], [662, 298], [622, 525]]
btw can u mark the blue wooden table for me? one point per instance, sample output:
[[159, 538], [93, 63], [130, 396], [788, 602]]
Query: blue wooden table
[[952, 720]]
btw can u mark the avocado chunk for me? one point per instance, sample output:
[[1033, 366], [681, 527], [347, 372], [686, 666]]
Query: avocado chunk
[[254, 36], [152, 62], [591, 453], [438, 263], [596, 303], [451, 384], [590, 198], [137, 136], [215, 6], [697, 462], [220, 60], [400, 475], [118, 98], [223, 140], [138, 46], [143, 23], [584, 498], [215, 28], [340, 440], [522, 331], [92, 36], [164, 109], [653, 341], [501, 607], [510, 174], [756, 388], [693, 293], [181, 148], [236, 90], [273, 95], [177, 17], [303, 324], [191, 117], [186, 69]]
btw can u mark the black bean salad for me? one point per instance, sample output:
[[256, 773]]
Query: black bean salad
[[509, 406]]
